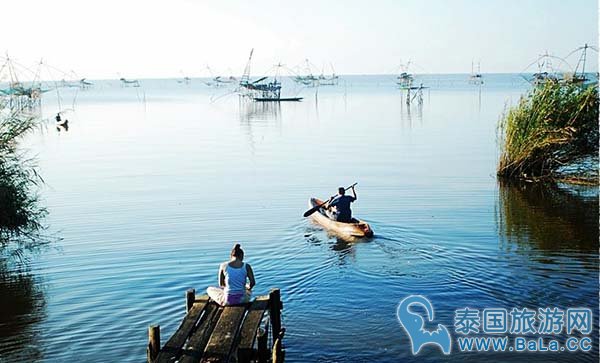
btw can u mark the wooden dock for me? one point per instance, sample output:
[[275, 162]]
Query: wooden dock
[[212, 333]]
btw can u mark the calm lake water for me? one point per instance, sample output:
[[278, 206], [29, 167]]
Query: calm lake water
[[151, 186]]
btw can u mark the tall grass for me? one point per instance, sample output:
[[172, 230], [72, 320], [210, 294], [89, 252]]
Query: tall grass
[[20, 212], [552, 129]]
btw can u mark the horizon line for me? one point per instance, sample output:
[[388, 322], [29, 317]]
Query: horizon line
[[289, 76]]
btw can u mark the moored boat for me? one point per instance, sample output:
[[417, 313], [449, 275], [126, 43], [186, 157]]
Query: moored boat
[[281, 99], [356, 228]]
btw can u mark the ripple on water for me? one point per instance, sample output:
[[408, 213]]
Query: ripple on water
[[144, 217]]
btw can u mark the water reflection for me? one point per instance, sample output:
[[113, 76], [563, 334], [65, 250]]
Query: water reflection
[[22, 307], [549, 234], [63, 126], [479, 98], [548, 217], [432, 208], [254, 116], [259, 111], [408, 112], [344, 249]]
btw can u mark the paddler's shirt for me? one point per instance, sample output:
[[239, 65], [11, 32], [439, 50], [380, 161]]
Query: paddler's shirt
[[342, 204]]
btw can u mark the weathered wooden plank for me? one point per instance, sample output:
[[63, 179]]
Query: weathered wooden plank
[[202, 298], [250, 327], [195, 347], [174, 345], [221, 342]]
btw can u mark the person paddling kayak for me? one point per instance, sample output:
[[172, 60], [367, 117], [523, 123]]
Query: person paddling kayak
[[338, 208]]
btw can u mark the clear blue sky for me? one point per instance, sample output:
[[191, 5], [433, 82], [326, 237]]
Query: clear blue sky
[[134, 38]]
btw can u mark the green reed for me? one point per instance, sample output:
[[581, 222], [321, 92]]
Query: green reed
[[20, 212], [552, 129]]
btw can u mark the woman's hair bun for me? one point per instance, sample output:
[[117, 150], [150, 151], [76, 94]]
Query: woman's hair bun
[[237, 251]]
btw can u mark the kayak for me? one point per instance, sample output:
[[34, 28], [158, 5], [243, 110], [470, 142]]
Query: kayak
[[356, 228]]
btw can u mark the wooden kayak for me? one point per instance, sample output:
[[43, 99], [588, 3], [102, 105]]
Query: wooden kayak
[[356, 228]]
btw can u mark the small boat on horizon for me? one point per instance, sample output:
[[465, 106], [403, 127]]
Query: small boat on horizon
[[579, 75], [546, 70], [85, 84], [184, 79], [127, 82], [261, 90], [331, 80], [476, 78], [305, 75], [405, 80]]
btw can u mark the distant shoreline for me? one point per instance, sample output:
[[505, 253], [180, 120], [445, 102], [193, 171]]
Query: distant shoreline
[[288, 76]]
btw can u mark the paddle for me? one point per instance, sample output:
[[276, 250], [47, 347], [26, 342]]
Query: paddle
[[316, 208]]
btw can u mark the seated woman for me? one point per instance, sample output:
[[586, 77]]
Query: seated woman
[[232, 288]]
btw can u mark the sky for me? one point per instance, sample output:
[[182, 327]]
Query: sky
[[155, 39]]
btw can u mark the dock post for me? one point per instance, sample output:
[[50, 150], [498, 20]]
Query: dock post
[[261, 341], [275, 312], [278, 352], [153, 342], [190, 297]]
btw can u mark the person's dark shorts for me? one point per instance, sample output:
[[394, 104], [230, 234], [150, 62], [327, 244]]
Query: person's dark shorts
[[344, 218]]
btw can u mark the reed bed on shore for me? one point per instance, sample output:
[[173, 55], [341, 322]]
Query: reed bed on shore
[[551, 134], [20, 214]]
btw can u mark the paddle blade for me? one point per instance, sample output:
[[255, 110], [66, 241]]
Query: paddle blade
[[311, 211]]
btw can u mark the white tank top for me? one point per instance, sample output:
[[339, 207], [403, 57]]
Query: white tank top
[[235, 278]]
